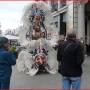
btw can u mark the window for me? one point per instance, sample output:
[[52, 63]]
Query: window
[[54, 5], [62, 3], [56, 23]]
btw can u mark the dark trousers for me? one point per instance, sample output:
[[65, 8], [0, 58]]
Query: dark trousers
[[4, 85]]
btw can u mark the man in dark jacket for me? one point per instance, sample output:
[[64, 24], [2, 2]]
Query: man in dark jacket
[[7, 59], [71, 56]]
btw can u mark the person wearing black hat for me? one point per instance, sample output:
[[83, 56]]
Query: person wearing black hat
[[7, 59]]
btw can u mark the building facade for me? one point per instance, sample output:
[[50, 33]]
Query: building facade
[[70, 15], [63, 15], [81, 21]]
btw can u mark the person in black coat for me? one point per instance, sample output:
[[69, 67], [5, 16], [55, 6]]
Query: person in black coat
[[70, 55]]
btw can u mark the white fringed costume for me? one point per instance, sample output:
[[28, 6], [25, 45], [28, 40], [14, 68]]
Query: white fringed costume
[[37, 19]]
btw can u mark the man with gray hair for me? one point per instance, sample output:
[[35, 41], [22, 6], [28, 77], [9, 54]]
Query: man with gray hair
[[71, 56]]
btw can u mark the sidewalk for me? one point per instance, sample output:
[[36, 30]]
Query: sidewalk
[[43, 81], [86, 73]]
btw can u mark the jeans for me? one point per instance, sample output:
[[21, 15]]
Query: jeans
[[4, 85], [73, 83]]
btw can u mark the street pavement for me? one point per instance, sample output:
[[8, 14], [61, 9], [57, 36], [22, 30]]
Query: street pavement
[[20, 80]]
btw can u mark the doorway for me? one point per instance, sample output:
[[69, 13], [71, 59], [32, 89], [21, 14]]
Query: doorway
[[62, 24], [87, 28]]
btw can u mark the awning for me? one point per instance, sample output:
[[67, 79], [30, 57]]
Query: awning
[[11, 37]]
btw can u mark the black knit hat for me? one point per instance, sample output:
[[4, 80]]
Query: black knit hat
[[3, 40]]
